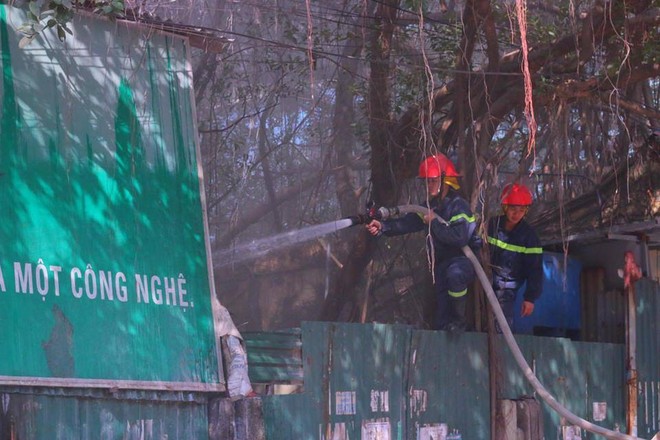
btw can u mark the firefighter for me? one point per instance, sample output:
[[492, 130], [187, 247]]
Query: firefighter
[[452, 270], [516, 255]]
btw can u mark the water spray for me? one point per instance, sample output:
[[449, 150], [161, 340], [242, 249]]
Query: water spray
[[261, 247]]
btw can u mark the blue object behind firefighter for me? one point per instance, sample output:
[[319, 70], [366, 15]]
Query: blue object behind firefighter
[[557, 311]]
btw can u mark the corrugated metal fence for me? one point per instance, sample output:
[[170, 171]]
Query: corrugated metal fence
[[371, 382], [394, 382], [648, 357]]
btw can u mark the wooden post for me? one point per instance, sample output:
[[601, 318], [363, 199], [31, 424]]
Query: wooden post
[[631, 273]]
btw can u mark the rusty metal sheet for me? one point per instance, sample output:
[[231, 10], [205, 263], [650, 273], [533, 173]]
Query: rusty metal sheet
[[603, 311], [44, 417], [647, 293]]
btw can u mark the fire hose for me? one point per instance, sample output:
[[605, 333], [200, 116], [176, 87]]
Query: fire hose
[[385, 213]]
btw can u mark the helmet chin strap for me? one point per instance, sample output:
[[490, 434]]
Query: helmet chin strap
[[441, 188]]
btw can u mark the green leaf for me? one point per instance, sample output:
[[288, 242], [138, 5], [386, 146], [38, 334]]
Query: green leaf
[[51, 23], [25, 28], [34, 9], [60, 33]]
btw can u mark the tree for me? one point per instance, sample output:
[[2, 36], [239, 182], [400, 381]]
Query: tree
[[56, 14], [306, 93], [585, 91]]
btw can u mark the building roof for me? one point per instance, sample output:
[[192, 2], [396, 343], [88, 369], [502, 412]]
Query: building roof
[[625, 203], [206, 39]]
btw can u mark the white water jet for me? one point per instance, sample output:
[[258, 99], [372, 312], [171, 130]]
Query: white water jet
[[261, 247]]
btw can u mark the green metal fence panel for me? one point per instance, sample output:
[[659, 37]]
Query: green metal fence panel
[[274, 357], [448, 385], [42, 417], [399, 383], [648, 357], [587, 378], [104, 271], [356, 375], [291, 416]]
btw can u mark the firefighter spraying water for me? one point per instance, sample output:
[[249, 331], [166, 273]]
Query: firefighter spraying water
[[452, 270]]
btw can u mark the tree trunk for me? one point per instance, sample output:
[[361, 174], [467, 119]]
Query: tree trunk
[[342, 302]]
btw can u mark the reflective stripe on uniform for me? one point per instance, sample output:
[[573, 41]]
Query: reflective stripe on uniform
[[469, 218], [457, 294], [506, 284], [514, 248]]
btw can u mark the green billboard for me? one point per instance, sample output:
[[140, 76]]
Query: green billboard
[[104, 262]]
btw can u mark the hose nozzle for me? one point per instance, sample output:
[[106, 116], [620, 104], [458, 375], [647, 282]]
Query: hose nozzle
[[374, 213], [384, 213], [360, 219]]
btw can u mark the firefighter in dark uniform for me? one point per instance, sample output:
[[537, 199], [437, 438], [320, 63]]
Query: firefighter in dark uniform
[[452, 270], [516, 255]]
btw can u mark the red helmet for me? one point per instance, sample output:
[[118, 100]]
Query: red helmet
[[436, 166], [516, 194]]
